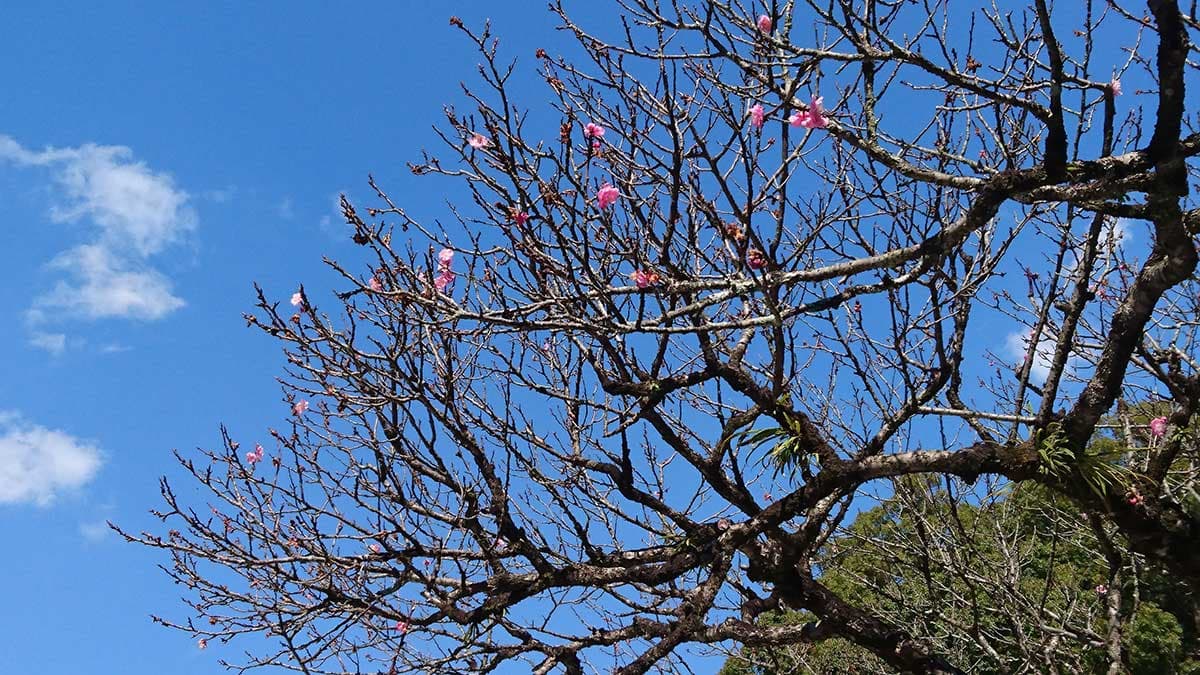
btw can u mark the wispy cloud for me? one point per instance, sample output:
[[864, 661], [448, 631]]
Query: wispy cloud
[[1018, 347], [1118, 234], [101, 284], [135, 212], [331, 223], [55, 343], [96, 530], [37, 464], [221, 196]]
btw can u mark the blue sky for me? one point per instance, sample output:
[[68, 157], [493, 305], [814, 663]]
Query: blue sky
[[155, 161]]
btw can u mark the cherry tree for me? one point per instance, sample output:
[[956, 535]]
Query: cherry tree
[[738, 269]]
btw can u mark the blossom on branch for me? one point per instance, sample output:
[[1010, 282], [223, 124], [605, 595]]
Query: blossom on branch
[[606, 196], [756, 116], [644, 279], [813, 118], [1158, 427]]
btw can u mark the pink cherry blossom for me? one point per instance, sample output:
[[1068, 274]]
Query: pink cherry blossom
[[443, 280], [764, 24], [813, 118], [593, 130], [1115, 86], [297, 299], [402, 626], [519, 217], [1158, 427], [202, 643], [756, 116], [816, 113], [756, 259], [374, 548], [445, 275], [255, 455], [300, 408], [606, 196], [479, 141], [374, 285], [644, 279]]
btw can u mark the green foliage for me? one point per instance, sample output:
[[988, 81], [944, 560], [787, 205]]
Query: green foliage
[[1054, 451], [877, 563], [943, 569], [787, 453], [1099, 467], [833, 657], [1189, 667], [1154, 641]]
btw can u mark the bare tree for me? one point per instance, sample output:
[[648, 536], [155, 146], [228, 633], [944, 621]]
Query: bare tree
[[753, 267]]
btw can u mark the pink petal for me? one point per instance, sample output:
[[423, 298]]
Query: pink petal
[[606, 196], [815, 119], [756, 115], [1158, 427], [443, 280]]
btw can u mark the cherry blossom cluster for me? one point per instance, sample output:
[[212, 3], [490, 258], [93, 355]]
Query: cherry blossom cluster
[[445, 275]]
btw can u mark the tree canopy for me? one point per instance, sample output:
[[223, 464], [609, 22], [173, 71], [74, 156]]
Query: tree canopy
[[777, 330], [1016, 580]]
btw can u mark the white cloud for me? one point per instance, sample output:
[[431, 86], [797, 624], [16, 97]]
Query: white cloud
[[101, 285], [37, 464], [54, 343], [222, 196], [132, 205], [334, 224], [95, 531], [1017, 346], [135, 212], [1117, 234]]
